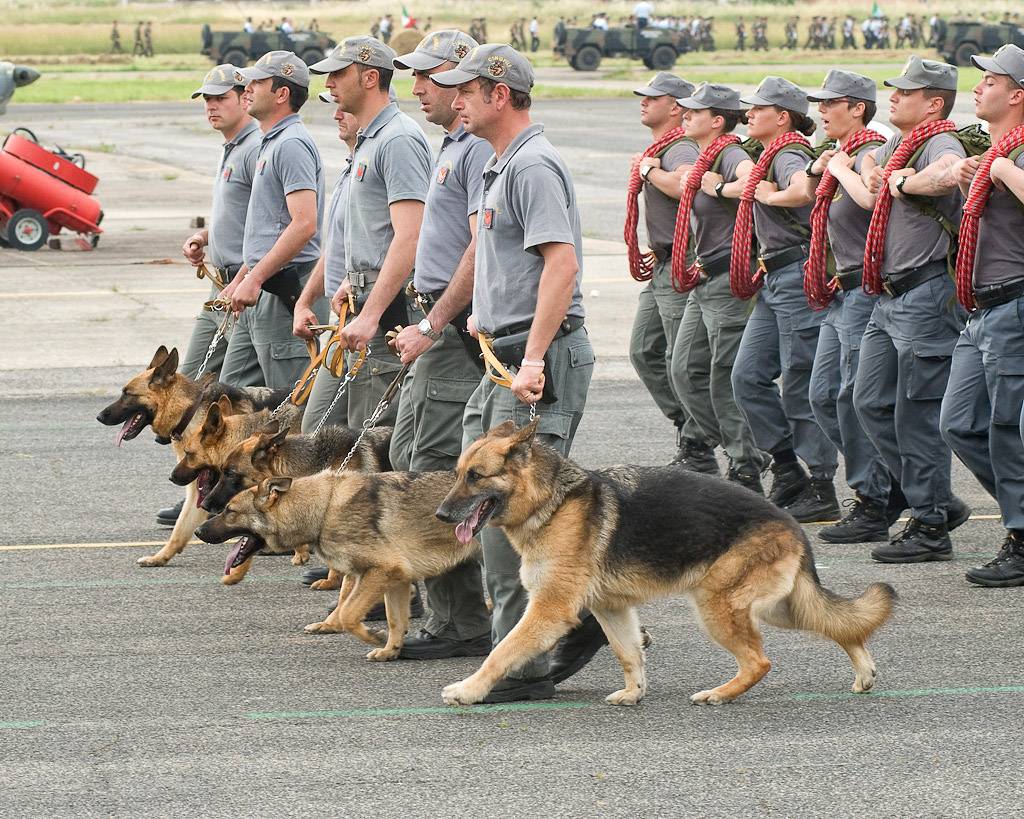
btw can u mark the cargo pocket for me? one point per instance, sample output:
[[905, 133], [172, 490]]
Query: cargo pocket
[[440, 428], [553, 425], [797, 348], [1008, 395], [287, 361], [581, 355], [929, 369]]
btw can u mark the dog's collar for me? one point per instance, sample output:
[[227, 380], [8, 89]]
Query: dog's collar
[[179, 430]]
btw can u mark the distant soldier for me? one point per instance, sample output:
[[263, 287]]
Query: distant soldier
[[483, 31], [474, 29], [138, 49], [115, 39], [741, 35], [848, 28], [248, 26], [791, 34], [513, 36], [147, 38], [534, 33], [559, 41]]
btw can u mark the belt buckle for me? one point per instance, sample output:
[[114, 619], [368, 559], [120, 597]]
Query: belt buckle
[[358, 279], [887, 287], [702, 274], [761, 267], [835, 282]]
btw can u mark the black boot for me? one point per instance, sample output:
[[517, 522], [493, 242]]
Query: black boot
[[1006, 569], [817, 503], [169, 516], [918, 543], [957, 513], [696, 457], [897, 502], [864, 523], [576, 649], [788, 481], [746, 475]]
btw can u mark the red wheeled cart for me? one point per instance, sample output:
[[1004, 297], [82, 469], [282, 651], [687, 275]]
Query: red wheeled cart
[[42, 192]]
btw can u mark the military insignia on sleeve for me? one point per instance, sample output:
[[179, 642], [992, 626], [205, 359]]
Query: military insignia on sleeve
[[498, 67], [287, 69], [461, 50], [442, 175], [365, 53], [488, 220]]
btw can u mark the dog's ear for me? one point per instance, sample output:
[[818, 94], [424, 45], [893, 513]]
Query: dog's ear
[[503, 430], [164, 372], [270, 492], [522, 439], [267, 443], [158, 357], [213, 423], [206, 380]]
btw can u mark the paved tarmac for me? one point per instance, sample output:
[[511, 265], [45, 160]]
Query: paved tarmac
[[160, 692]]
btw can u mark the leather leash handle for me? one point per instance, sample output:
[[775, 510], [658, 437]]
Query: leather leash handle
[[335, 363], [496, 371], [203, 272]]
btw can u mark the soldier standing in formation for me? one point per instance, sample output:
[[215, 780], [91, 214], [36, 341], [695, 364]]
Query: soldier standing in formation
[[115, 39]]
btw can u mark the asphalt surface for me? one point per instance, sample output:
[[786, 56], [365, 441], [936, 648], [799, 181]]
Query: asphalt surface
[[160, 692]]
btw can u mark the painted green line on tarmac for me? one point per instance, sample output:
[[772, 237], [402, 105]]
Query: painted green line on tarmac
[[912, 692], [412, 712], [17, 725]]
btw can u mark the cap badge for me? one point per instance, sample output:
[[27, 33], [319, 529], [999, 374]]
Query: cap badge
[[498, 67], [435, 43], [365, 54], [239, 79], [461, 50], [287, 69]]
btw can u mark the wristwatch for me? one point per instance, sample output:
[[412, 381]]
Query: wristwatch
[[809, 168], [644, 170], [719, 188], [428, 331], [900, 182]]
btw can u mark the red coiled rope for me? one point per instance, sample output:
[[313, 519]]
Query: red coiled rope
[[743, 284], [641, 265], [974, 207], [874, 247], [817, 287], [686, 278]]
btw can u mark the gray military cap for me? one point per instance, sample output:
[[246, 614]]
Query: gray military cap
[[707, 95], [780, 92], [219, 80], [327, 96], [918, 73], [367, 51], [495, 61], [436, 48], [664, 84], [839, 84], [1008, 60], [282, 64]]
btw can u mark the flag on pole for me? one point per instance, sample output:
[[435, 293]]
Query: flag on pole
[[408, 21], [876, 10]]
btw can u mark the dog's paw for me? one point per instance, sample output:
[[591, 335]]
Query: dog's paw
[[325, 627], [383, 655], [625, 696], [232, 578], [709, 697], [325, 585], [152, 560], [461, 693], [300, 559], [864, 682]]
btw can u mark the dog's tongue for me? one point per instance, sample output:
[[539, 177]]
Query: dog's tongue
[[234, 553], [128, 426], [202, 486], [464, 531]]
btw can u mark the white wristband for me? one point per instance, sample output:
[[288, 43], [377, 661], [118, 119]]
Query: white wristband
[[527, 363]]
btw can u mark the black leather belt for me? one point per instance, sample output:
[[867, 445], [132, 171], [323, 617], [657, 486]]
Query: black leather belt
[[570, 324], [850, 279], [997, 294], [662, 253], [785, 257], [228, 273], [429, 298], [715, 267], [906, 280]]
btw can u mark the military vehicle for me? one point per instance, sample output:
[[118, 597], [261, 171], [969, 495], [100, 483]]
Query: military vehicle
[[241, 48], [658, 48], [966, 38]]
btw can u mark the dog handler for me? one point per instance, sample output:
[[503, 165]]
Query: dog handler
[[527, 298], [281, 243], [428, 431]]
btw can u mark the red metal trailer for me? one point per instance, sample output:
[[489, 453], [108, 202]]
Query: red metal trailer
[[42, 192]]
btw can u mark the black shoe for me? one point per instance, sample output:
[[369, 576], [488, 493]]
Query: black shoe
[[576, 649], [512, 690], [379, 614], [788, 481], [896, 504], [696, 457], [816, 504], [917, 543], [747, 476], [864, 523], [425, 646], [957, 513], [169, 516], [1006, 569], [310, 576]]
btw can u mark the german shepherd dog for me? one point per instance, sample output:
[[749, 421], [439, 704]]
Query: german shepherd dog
[[612, 539], [272, 452], [167, 401], [379, 530], [208, 442]]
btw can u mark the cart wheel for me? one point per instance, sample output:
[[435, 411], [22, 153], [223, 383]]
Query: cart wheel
[[94, 240], [27, 230]]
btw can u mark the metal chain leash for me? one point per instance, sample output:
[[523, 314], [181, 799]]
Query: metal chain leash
[[349, 376], [221, 331], [371, 422]]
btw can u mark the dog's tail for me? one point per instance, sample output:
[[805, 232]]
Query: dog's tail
[[814, 608]]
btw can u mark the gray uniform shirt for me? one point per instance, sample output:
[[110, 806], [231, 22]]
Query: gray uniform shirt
[[1000, 254], [454, 195], [848, 225], [231, 190], [660, 210], [528, 200], [334, 232], [914, 239], [288, 161], [390, 163], [713, 220], [774, 227]]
